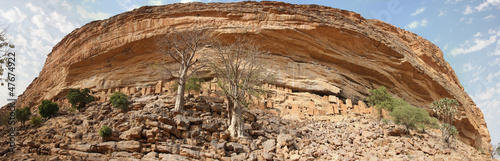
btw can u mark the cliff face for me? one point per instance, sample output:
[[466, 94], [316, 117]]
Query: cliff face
[[312, 48]]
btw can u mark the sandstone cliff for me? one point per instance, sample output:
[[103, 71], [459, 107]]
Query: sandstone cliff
[[312, 48]]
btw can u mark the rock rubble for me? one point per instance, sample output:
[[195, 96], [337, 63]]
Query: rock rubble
[[157, 133]]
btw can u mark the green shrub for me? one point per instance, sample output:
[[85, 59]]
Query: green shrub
[[119, 100], [409, 116], [193, 84], [23, 114], [434, 123], [105, 131], [422, 127], [79, 98], [385, 121], [4, 118], [430, 121], [36, 120], [449, 134], [396, 102], [48, 108], [381, 100]]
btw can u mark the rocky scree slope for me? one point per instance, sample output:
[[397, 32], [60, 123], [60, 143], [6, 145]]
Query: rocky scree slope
[[313, 48], [152, 131]]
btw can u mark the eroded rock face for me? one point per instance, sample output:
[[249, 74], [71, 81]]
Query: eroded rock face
[[312, 48]]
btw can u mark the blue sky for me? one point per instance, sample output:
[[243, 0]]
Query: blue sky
[[468, 33]]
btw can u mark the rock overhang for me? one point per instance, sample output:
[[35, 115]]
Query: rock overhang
[[315, 49]]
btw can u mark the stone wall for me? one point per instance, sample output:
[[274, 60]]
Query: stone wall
[[275, 101], [281, 100]]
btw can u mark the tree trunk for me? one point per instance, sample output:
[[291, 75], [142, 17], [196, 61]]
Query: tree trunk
[[236, 127], [230, 107], [179, 99], [381, 115]]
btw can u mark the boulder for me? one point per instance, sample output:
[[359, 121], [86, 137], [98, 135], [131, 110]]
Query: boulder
[[80, 147], [189, 153], [284, 140], [31, 143], [172, 157], [123, 127], [368, 134], [182, 122], [209, 127], [250, 117], [195, 121], [151, 155], [105, 147], [172, 130], [122, 155], [238, 148], [131, 134], [269, 145], [238, 157], [252, 157], [295, 157], [266, 156], [166, 120], [130, 146]]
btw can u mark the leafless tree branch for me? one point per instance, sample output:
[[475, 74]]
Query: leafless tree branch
[[182, 47]]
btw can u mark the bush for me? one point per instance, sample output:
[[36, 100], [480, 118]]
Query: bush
[[119, 100], [79, 98], [398, 102], [409, 116], [48, 108], [105, 131], [430, 121], [434, 123], [381, 100], [23, 114], [36, 120], [4, 118], [385, 121], [193, 84], [449, 133]]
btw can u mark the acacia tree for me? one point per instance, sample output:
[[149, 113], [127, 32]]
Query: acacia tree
[[239, 72], [182, 47]]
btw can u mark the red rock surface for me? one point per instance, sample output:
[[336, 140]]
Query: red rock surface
[[312, 48]]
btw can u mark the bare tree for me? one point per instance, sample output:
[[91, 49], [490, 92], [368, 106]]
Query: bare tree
[[240, 72], [5, 46], [183, 46]]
